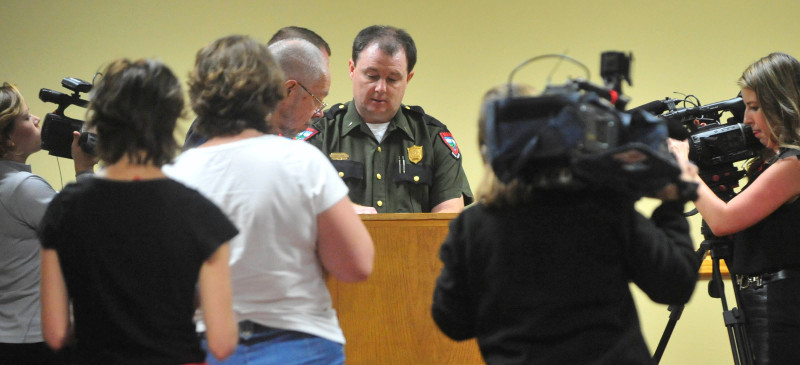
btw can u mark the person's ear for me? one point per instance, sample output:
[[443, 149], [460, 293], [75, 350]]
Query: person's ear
[[288, 85], [410, 75], [352, 67]]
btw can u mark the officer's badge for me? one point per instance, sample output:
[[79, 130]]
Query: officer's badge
[[339, 156], [306, 134], [448, 139], [415, 154]]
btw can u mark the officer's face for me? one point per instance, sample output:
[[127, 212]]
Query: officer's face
[[379, 83]]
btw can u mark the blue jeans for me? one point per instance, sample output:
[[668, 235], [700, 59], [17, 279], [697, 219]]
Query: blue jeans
[[268, 346]]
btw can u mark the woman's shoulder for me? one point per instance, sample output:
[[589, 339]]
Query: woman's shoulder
[[791, 153]]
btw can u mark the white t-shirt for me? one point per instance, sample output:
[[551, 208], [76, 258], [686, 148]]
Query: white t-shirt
[[378, 129], [273, 189]]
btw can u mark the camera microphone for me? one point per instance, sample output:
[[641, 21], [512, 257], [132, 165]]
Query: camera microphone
[[52, 96], [656, 107], [684, 114], [675, 128]]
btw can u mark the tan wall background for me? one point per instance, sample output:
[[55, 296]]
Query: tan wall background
[[465, 47]]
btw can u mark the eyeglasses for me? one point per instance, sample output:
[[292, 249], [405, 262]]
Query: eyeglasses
[[322, 105]]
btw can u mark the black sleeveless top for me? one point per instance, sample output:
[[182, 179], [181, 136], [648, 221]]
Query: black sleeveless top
[[773, 243]]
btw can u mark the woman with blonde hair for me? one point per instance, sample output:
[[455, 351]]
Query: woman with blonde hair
[[23, 199], [762, 218]]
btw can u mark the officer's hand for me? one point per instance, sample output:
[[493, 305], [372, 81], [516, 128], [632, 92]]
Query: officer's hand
[[360, 209]]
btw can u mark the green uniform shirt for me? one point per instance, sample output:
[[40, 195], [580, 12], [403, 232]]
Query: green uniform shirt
[[414, 168]]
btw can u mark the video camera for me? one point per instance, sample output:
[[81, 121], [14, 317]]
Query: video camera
[[575, 135], [57, 129], [713, 146]]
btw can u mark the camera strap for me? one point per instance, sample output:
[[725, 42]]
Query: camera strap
[[788, 152]]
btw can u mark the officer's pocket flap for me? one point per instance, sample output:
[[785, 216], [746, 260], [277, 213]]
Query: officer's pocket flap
[[415, 174], [349, 169]]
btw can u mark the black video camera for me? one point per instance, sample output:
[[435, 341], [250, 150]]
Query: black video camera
[[714, 146], [575, 136], [57, 129]]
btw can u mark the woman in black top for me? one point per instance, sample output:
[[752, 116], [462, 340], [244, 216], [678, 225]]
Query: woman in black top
[[764, 216], [130, 246]]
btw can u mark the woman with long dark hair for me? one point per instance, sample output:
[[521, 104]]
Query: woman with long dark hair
[[762, 218]]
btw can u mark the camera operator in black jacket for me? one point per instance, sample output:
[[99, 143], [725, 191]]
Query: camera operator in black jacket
[[541, 276]]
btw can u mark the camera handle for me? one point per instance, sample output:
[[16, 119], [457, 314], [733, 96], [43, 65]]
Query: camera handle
[[87, 142]]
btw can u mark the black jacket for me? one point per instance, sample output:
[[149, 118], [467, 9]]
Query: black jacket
[[548, 282]]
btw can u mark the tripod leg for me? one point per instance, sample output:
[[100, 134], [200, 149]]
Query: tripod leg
[[734, 319], [677, 310], [743, 338], [675, 315]]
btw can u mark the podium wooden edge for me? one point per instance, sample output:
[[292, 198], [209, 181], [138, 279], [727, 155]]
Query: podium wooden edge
[[407, 216], [410, 218], [707, 266]]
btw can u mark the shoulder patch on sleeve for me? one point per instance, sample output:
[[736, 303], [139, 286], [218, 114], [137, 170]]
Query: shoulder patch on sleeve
[[306, 134], [448, 139], [335, 109]]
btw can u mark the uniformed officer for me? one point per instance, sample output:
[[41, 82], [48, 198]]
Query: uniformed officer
[[394, 158]]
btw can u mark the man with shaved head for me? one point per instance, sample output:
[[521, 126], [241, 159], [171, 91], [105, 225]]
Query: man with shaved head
[[307, 83]]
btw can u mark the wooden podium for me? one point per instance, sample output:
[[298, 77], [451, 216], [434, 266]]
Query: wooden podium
[[387, 319]]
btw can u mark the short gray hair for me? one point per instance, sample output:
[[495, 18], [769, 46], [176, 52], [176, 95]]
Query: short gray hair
[[300, 60]]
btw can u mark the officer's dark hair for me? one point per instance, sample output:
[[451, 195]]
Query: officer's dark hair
[[292, 32], [134, 108], [389, 39], [235, 83]]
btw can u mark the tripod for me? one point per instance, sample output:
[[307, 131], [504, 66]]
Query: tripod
[[734, 318]]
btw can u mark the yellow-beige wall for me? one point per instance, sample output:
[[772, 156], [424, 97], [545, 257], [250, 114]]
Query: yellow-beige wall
[[465, 47]]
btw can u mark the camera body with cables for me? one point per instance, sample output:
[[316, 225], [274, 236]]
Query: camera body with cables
[[714, 146], [575, 136], [57, 128]]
